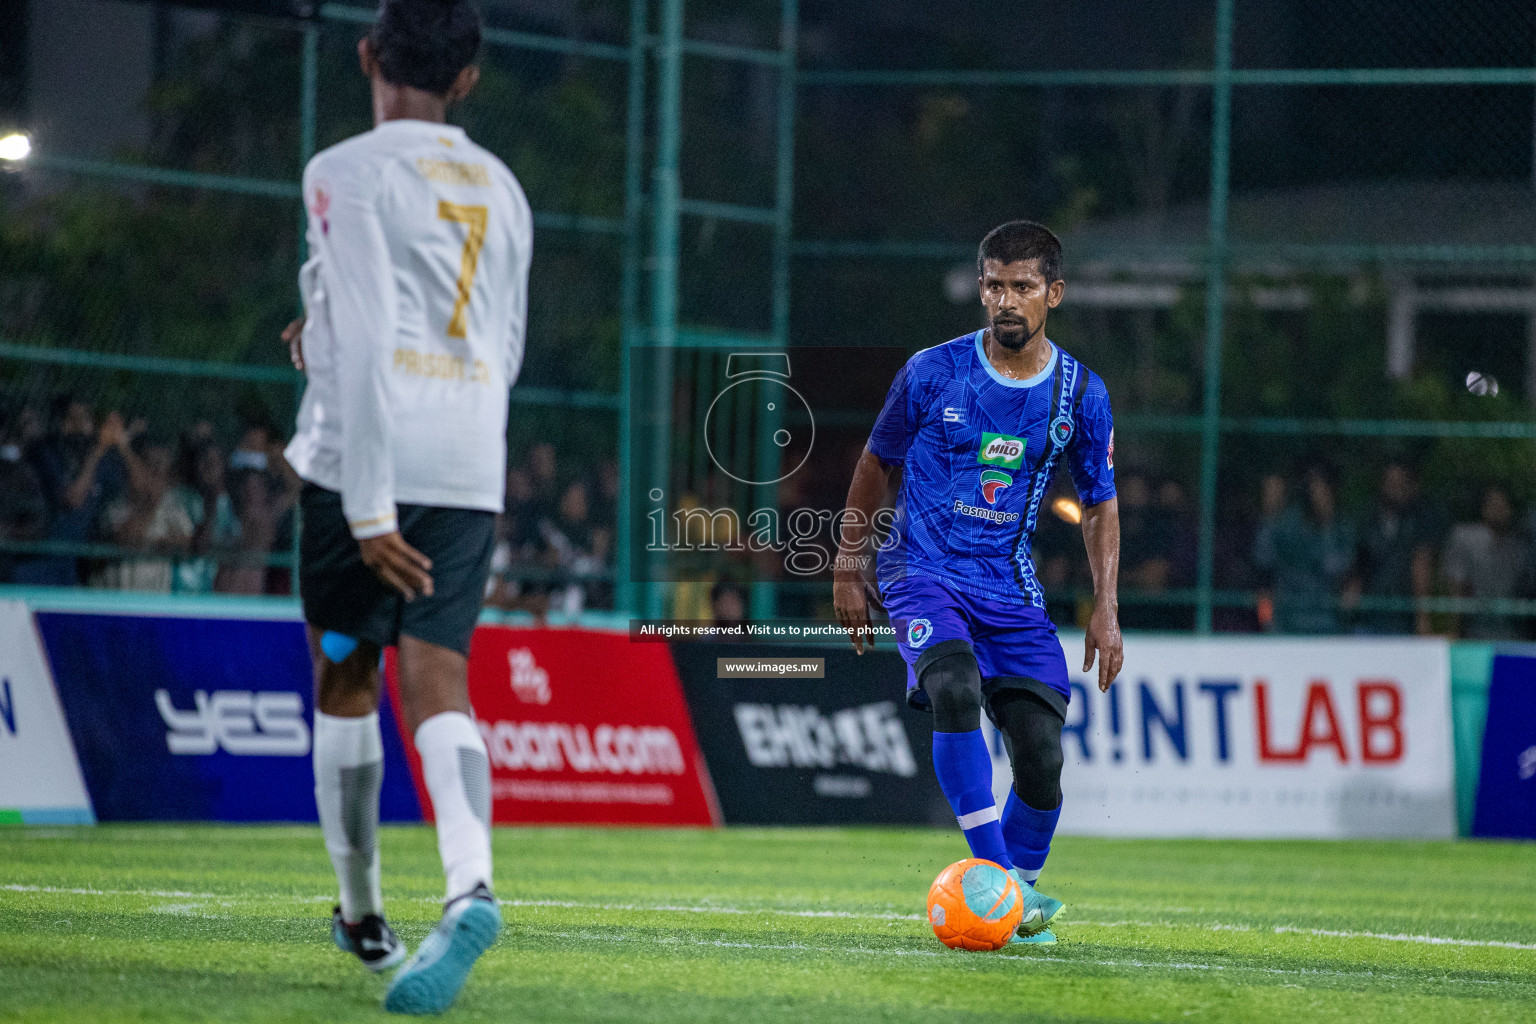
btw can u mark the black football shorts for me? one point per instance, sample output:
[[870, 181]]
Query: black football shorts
[[343, 595]]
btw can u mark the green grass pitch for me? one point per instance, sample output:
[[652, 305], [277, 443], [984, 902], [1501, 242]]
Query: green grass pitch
[[170, 923]]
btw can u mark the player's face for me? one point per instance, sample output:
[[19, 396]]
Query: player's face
[[1017, 298]]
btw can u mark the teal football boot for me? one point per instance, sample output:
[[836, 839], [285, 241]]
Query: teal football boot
[[1045, 938], [1035, 902], [430, 981]]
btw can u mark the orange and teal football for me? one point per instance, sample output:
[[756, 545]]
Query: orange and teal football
[[975, 905]]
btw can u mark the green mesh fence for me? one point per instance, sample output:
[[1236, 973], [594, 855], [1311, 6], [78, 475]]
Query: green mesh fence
[[1292, 230]]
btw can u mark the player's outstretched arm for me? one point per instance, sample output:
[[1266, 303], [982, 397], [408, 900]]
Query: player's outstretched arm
[[1101, 536], [850, 588]]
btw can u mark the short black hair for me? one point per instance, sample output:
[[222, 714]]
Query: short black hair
[[1020, 240], [424, 44]]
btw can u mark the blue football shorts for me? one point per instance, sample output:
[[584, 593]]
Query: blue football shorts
[[1015, 644]]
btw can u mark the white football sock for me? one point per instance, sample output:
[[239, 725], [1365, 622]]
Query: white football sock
[[349, 772], [458, 777]]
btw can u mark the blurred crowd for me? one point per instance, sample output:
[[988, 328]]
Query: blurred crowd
[[104, 502], [1326, 572], [555, 542], [1314, 568]]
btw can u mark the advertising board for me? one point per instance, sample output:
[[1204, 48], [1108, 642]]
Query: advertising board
[[1258, 737], [198, 719], [582, 727], [1506, 792], [841, 748], [40, 780]]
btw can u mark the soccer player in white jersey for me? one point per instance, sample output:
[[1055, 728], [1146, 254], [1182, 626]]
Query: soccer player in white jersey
[[415, 300]]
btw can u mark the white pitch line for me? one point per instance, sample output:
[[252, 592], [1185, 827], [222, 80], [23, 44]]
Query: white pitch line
[[1150, 965], [173, 894], [673, 908], [1428, 940], [1288, 929], [723, 944], [709, 909], [1431, 940]]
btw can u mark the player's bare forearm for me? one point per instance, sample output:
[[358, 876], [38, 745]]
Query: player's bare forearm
[[850, 597], [866, 493], [1101, 537]]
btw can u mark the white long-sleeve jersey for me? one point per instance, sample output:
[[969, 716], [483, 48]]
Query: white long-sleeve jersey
[[416, 295]]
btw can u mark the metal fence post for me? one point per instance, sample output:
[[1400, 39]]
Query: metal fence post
[[664, 254], [634, 202], [764, 592], [784, 195], [1215, 308], [309, 88]]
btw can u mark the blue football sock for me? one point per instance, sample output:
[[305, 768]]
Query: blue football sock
[[964, 768], [1028, 835]]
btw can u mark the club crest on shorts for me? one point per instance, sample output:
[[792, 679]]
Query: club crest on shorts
[[992, 483], [918, 632], [1061, 431]]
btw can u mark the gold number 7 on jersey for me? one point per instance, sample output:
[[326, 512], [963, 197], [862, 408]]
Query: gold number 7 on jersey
[[474, 217]]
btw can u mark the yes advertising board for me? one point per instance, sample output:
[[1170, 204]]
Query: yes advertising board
[[842, 748], [198, 719], [1325, 738], [582, 727], [40, 780]]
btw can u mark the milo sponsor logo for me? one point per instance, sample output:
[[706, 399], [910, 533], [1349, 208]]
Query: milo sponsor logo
[[1001, 450]]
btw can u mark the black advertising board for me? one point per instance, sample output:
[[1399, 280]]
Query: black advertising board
[[836, 750]]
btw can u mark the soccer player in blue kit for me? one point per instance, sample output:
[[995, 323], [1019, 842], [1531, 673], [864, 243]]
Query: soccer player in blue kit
[[977, 427]]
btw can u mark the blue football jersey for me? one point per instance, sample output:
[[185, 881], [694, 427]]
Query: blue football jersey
[[977, 452]]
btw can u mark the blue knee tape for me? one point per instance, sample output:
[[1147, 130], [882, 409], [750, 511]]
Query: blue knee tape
[[337, 646]]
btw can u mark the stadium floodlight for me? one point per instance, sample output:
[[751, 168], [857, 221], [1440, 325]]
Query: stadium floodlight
[[15, 147]]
